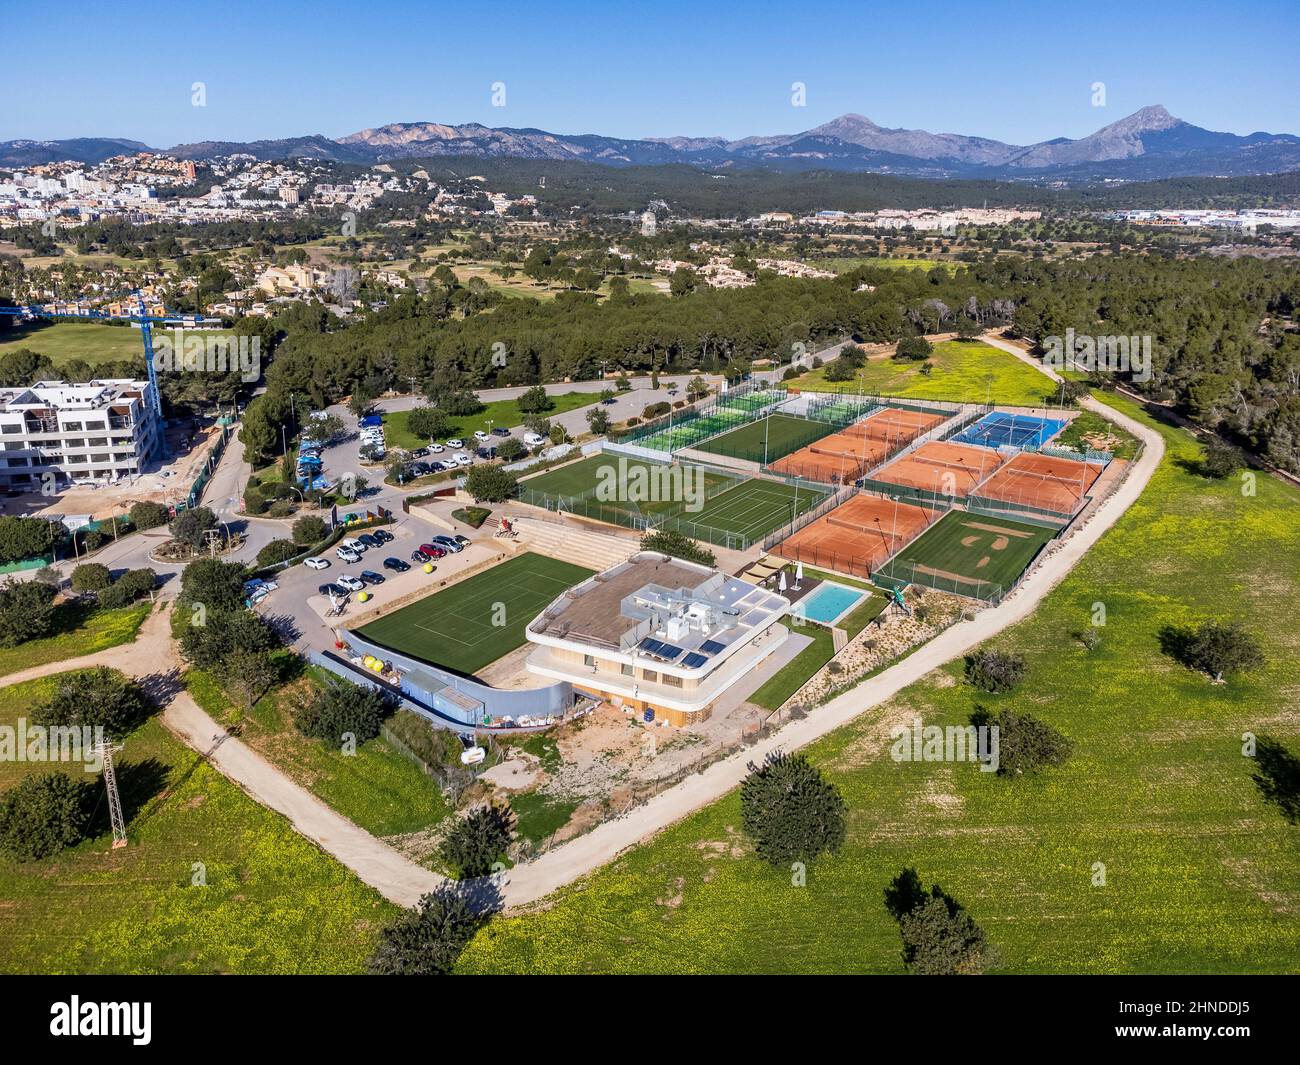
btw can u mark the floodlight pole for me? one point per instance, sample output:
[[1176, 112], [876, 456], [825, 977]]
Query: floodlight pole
[[117, 821]]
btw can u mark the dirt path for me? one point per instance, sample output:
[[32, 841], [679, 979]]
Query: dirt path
[[152, 652]]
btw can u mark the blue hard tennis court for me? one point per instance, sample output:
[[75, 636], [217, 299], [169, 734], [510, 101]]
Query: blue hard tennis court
[[1002, 429]]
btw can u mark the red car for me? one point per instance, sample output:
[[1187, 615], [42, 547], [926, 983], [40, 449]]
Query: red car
[[432, 550]]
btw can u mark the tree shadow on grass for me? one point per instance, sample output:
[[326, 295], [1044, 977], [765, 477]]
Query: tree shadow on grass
[[138, 784], [1175, 640], [1277, 775]]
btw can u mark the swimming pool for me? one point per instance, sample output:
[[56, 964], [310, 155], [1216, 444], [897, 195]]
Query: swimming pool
[[829, 602]]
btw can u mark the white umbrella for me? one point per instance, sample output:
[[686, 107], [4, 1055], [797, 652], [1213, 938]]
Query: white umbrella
[[781, 583], [798, 574]]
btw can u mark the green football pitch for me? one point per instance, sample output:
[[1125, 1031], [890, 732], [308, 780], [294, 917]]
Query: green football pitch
[[475, 622], [750, 511], [970, 554], [768, 439]]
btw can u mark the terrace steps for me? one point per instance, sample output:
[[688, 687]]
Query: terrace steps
[[569, 543]]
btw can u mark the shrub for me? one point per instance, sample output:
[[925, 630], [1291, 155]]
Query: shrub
[[277, 551], [428, 422], [995, 671], [211, 645], [1219, 649], [914, 349], [23, 538], [146, 515], [1025, 744], [535, 401], [281, 508], [791, 812], [678, 545], [43, 814], [1220, 460], [490, 484], [26, 611], [428, 940], [137, 582], [839, 370], [655, 410], [91, 577], [939, 936], [478, 841], [510, 449], [339, 709], [191, 526], [308, 530], [98, 697]]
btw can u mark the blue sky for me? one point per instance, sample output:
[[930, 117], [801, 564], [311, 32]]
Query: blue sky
[[1018, 72]]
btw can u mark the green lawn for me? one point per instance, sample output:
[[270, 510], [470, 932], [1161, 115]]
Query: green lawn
[[480, 619], [377, 787], [501, 413], [94, 342], [79, 630], [987, 554], [273, 902], [1201, 873], [963, 371], [1089, 429], [768, 439]]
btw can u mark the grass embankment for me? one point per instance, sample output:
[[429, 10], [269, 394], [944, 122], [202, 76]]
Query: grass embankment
[[501, 413], [79, 630], [966, 370]]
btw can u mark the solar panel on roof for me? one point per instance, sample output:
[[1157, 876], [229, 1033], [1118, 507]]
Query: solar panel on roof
[[668, 652], [694, 661], [712, 647], [653, 646]]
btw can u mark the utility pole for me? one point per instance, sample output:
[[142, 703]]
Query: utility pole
[[105, 750]]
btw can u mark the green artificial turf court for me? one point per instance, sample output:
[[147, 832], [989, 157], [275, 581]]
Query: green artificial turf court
[[782, 434], [970, 554], [639, 488], [480, 619], [747, 512]]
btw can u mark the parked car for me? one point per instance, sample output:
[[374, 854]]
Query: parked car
[[353, 544], [352, 584], [369, 540], [436, 449], [448, 543], [500, 431], [369, 576], [433, 550], [396, 565], [419, 453], [534, 439], [419, 556], [486, 452], [383, 536], [462, 459], [607, 402], [480, 434], [318, 563], [464, 541], [455, 444], [346, 554], [336, 590]]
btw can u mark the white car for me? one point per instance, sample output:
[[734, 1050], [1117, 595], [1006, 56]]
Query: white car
[[436, 449], [461, 459], [480, 434], [318, 563], [346, 554], [352, 584], [353, 545], [534, 439], [455, 443]]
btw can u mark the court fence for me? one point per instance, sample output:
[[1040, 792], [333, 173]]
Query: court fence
[[829, 503]]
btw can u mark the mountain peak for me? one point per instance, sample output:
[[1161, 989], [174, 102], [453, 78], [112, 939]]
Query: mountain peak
[[1145, 120]]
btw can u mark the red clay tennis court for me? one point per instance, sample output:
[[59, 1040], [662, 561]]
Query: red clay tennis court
[[840, 458], [1043, 481], [858, 535], [895, 426], [943, 468]]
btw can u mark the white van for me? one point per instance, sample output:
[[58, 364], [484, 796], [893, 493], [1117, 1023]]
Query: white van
[[534, 439]]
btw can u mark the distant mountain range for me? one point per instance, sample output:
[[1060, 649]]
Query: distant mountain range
[[1147, 145]]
